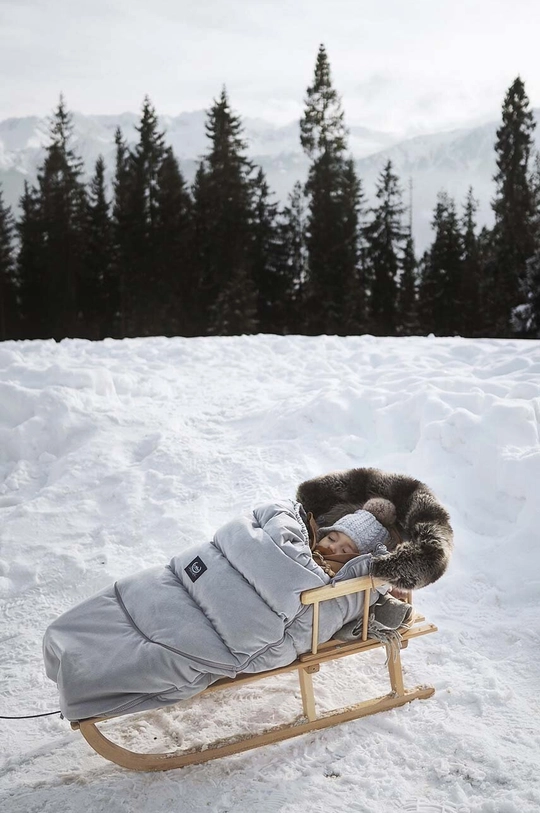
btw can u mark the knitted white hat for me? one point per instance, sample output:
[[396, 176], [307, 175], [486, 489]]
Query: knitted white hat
[[363, 528]]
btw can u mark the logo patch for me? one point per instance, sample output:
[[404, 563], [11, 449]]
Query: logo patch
[[195, 569]]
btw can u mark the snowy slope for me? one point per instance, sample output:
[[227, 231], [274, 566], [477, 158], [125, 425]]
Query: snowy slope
[[116, 455]]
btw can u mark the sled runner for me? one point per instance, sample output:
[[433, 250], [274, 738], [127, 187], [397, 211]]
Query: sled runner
[[306, 666]]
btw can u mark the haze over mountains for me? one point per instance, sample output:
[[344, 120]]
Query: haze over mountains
[[451, 160]]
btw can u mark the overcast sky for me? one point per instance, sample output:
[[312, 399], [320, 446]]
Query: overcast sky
[[405, 66]]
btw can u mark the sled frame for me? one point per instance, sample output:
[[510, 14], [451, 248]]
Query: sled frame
[[306, 665]]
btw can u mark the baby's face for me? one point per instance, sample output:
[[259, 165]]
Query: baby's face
[[338, 542]]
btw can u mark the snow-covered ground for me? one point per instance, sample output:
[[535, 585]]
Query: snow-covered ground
[[116, 455]]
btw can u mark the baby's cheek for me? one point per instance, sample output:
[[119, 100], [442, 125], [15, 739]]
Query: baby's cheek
[[351, 542]]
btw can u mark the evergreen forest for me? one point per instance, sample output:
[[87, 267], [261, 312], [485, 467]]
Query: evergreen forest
[[154, 256]]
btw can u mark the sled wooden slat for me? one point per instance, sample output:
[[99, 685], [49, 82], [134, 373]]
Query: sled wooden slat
[[315, 627], [341, 648], [343, 588], [365, 618], [306, 666]]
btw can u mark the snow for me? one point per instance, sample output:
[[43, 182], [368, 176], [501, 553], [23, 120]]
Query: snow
[[116, 455]]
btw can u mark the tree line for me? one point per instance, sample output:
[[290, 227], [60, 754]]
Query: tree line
[[222, 257]]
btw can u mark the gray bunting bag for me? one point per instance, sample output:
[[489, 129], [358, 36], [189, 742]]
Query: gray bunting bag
[[219, 608]]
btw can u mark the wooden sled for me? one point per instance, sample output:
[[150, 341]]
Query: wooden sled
[[306, 666]]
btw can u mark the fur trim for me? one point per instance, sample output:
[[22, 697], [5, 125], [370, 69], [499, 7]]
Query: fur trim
[[423, 522]]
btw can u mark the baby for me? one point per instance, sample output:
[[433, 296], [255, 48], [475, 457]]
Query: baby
[[360, 532]]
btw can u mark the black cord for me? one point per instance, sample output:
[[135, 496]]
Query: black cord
[[30, 716]]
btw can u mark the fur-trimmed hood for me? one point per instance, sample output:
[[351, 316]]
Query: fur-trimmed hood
[[422, 521]]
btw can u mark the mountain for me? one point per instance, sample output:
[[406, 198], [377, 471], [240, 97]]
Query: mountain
[[451, 160]]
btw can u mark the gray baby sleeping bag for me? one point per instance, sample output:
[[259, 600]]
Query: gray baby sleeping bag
[[219, 608]]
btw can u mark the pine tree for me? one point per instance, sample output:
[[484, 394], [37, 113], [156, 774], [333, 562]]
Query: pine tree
[[385, 241], [535, 191], [62, 213], [527, 317], [322, 127], [487, 263], [32, 290], [333, 299], [292, 225], [407, 304], [225, 192], [324, 288], [175, 280], [98, 285], [271, 274], [352, 271], [143, 169], [472, 318], [440, 302], [452, 264], [235, 310], [201, 248], [514, 209], [8, 289], [121, 288], [526, 322]]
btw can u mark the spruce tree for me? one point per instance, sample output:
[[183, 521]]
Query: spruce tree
[[175, 280], [201, 249], [487, 258], [322, 127], [292, 226], [30, 267], [385, 239], [352, 270], [122, 314], [270, 271], [527, 317], [143, 169], [440, 302], [62, 215], [335, 199], [452, 264], [293, 240], [226, 195], [235, 310], [472, 323], [8, 301], [526, 321], [407, 304], [535, 190], [325, 290], [514, 209], [98, 285]]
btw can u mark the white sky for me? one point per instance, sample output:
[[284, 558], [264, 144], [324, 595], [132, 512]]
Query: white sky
[[402, 65]]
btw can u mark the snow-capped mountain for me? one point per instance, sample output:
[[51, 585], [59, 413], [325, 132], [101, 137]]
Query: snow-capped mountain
[[451, 160]]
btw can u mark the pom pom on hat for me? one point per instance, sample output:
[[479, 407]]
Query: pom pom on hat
[[383, 510]]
